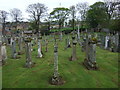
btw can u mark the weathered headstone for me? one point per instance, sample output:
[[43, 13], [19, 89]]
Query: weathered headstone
[[106, 42], [90, 60], [39, 47], [67, 43], [13, 47], [0, 49], [20, 42], [56, 79], [74, 42], [117, 39], [3, 53], [29, 63], [83, 45], [78, 36], [102, 39]]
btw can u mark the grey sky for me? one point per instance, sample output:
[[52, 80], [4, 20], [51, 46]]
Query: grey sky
[[22, 4]]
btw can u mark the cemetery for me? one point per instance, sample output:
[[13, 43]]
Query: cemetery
[[74, 54]]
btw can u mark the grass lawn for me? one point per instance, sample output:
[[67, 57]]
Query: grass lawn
[[73, 72]]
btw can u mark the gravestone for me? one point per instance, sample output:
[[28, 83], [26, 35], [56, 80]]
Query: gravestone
[[13, 47], [90, 60], [78, 36], [117, 39], [83, 45], [56, 78], [29, 63], [102, 39], [40, 55], [73, 56], [9, 40], [20, 42], [0, 50], [3, 53], [109, 42], [106, 42], [67, 43]]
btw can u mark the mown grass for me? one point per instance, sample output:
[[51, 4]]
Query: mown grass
[[73, 72]]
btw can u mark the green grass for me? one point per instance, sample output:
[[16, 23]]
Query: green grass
[[73, 72]]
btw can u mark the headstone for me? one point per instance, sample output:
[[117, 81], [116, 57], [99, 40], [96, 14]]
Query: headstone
[[28, 39], [39, 47], [0, 50], [20, 42], [83, 45], [56, 79], [106, 42], [13, 47], [117, 39], [102, 41], [90, 60], [78, 35], [109, 42], [74, 42], [68, 43], [3, 53]]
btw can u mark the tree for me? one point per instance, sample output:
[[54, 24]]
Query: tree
[[37, 11], [73, 14], [3, 16], [113, 11], [60, 14], [16, 14], [112, 8], [82, 9], [97, 16]]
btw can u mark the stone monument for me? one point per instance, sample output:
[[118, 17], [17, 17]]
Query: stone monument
[[74, 42], [90, 60]]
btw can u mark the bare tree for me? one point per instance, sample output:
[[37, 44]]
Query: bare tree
[[16, 14], [82, 9], [37, 11], [112, 8], [3, 16], [73, 14]]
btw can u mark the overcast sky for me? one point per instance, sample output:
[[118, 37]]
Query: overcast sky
[[22, 4]]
